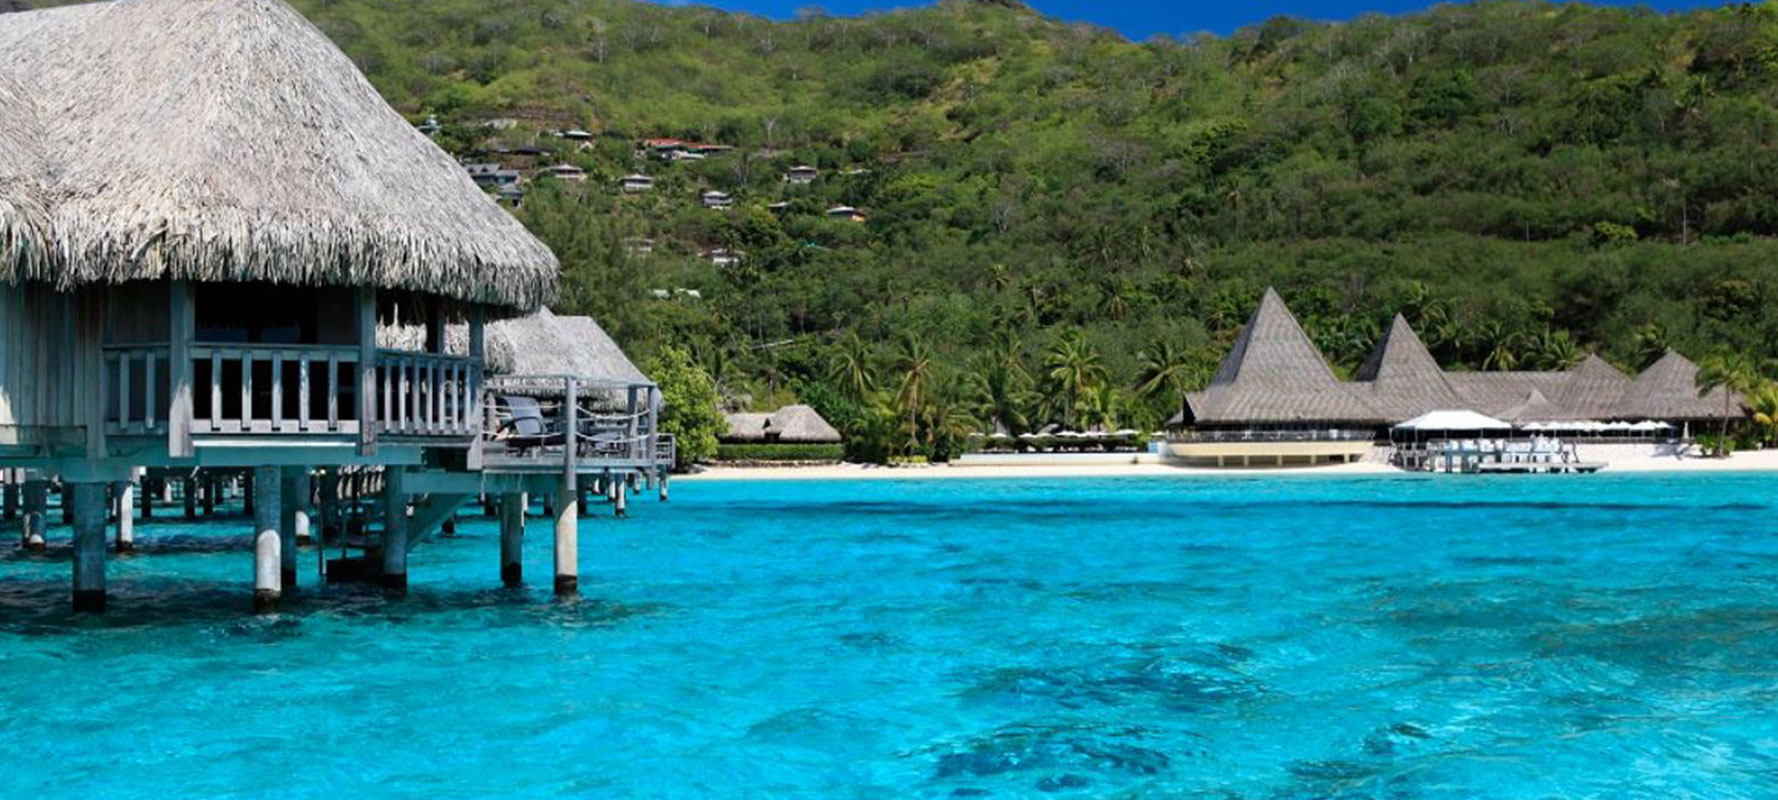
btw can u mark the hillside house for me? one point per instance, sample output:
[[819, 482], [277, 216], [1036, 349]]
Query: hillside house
[[801, 175], [718, 200]]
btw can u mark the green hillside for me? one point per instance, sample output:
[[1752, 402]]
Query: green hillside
[[1067, 226]]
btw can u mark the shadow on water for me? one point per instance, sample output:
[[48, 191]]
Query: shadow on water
[[1192, 683], [41, 608], [1052, 756]]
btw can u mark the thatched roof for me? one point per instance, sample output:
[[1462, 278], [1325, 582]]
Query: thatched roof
[[795, 424], [1497, 393], [22, 215], [1667, 390], [1535, 408], [222, 140], [1593, 390], [1401, 379], [545, 344], [1275, 374]]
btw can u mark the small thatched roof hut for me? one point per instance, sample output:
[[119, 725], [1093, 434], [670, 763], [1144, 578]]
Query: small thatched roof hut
[[1275, 375], [791, 424], [229, 140]]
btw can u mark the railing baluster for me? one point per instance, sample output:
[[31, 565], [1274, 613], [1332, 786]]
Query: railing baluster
[[216, 391], [302, 393], [246, 357], [400, 366], [277, 391], [333, 395], [150, 419]]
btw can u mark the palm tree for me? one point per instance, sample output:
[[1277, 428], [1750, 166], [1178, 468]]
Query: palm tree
[[850, 367], [913, 360], [1164, 369], [1735, 373], [1073, 366], [1764, 406], [1556, 350], [1000, 387], [1651, 343]]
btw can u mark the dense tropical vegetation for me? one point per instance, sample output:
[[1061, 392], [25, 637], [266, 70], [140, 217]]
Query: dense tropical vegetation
[[1066, 227]]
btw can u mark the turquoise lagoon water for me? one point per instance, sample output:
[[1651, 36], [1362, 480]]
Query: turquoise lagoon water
[[1609, 637]]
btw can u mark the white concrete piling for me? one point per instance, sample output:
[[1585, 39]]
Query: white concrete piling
[[621, 500], [395, 530], [268, 559], [88, 500], [36, 514], [124, 505], [567, 538], [512, 539]]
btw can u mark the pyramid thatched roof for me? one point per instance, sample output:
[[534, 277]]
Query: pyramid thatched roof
[[1275, 374], [224, 140], [1592, 390], [1401, 379], [1497, 393], [794, 424], [1535, 408], [1668, 390]]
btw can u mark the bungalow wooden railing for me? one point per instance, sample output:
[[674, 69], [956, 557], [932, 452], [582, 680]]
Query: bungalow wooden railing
[[614, 424], [135, 393], [277, 389], [426, 394], [291, 390]]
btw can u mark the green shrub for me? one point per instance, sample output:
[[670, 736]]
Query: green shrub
[[780, 452]]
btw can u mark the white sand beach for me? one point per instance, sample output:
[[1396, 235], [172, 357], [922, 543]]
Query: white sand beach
[[1620, 458]]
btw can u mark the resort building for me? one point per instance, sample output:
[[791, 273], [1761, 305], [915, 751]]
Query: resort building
[[492, 176], [722, 256], [636, 183], [797, 424], [801, 175], [845, 214], [566, 172], [717, 200], [179, 292], [1275, 400]]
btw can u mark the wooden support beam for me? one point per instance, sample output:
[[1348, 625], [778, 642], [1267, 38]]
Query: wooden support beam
[[395, 530], [367, 371], [89, 544], [512, 539], [182, 327]]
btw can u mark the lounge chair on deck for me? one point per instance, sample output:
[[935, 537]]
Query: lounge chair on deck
[[524, 427]]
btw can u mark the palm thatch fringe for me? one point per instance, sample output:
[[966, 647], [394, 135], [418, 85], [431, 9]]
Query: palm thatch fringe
[[22, 214], [229, 140]]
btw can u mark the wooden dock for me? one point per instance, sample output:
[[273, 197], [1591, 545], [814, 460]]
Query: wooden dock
[[1539, 468]]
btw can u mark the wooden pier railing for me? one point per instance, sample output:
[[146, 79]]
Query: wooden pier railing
[[424, 394]]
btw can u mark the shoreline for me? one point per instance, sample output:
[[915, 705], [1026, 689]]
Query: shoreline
[[1752, 461]]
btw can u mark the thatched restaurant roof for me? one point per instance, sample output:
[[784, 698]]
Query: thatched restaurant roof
[[1274, 375], [229, 140], [1401, 377], [1668, 390]]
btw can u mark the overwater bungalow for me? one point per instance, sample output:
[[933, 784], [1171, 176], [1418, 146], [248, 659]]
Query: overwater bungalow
[[180, 290], [1275, 401]]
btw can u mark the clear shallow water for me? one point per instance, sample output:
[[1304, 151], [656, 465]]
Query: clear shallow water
[[1611, 636]]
